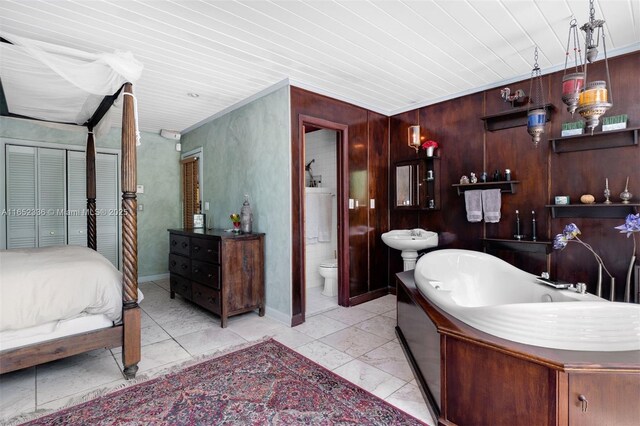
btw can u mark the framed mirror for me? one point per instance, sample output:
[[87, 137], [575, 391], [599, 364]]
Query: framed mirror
[[416, 184]]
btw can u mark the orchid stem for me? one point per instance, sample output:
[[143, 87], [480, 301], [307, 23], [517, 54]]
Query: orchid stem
[[598, 258]]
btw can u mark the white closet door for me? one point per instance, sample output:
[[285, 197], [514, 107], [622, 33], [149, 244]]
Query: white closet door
[[21, 196], [107, 206], [76, 198], [52, 224]]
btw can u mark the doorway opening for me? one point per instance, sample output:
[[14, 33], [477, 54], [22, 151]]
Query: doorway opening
[[191, 186], [320, 218]]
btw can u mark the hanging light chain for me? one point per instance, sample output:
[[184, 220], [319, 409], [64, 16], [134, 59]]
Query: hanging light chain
[[577, 51], [536, 74]]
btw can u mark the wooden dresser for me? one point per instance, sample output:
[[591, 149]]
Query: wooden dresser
[[222, 272]]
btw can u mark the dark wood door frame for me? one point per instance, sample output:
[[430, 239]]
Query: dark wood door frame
[[298, 291]]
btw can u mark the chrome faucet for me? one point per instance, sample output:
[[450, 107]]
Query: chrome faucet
[[415, 233]]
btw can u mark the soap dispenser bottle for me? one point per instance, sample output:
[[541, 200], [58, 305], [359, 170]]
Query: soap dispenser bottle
[[246, 216]]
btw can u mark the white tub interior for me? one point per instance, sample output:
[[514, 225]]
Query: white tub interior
[[497, 298]]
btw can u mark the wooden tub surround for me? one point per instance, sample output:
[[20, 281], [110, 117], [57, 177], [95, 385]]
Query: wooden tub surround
[[469, 377]]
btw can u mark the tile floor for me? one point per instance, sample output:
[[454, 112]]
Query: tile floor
[[318, 302], [357, 343]]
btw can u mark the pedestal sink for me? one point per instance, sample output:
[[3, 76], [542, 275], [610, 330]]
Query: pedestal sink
[[410, 241]]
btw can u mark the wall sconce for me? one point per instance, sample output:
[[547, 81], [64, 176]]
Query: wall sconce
[[413, 139], [518, 95]]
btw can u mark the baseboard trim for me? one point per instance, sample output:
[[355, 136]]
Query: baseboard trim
[[147, 278], [362, 298], [277, 315]]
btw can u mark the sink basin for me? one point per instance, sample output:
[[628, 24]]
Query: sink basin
[[401, 239]]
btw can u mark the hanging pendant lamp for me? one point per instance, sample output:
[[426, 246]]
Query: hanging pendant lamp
[[536, 113]]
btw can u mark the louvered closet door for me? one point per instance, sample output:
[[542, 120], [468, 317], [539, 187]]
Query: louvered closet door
[[76, 198], [21, 196], [52, 224], [108, 205]]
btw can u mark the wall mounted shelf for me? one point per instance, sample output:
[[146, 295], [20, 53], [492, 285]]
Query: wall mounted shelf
[[511, 118], [507, 186], [599, 210], [599, 140], [544, 247]]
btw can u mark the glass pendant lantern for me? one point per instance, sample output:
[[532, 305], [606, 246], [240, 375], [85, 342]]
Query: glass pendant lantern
[[595, 100], [573, 83], [537, 113]]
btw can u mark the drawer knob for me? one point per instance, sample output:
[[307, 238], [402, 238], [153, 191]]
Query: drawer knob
[[210, 276], [173, 263], [211, 300], [196, 270], [184, 266], [196, 248], [209, 251], [584, 404], [174, 242], [184, 245]]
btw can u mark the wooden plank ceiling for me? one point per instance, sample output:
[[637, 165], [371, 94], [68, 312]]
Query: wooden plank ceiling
[[388, 56]]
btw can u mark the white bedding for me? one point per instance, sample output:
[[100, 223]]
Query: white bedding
[[41, 285], [52, 330]]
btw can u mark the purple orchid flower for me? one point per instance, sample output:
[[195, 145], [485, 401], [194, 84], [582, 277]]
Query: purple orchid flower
[[630, 225]]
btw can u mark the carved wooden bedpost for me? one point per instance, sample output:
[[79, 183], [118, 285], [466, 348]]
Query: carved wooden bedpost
[[92, 230], [130, 310]]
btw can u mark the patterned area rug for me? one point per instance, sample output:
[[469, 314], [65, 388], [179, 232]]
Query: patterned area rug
[[264, 384]]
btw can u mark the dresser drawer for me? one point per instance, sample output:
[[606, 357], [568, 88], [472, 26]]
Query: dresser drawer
[[206, 297], [206, 273], [179, 244], [207, 250], [180, 285], [180, 265]]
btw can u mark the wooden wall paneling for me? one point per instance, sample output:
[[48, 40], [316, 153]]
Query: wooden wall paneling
[[356, 224], [359, 215], [514, 149], [378, 191], [398, 151], [584, 172], [466, 147], [455, 126]]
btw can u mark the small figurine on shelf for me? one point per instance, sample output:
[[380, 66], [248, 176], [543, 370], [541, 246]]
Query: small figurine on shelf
[[464, 180], [473, 178], [607, 191], [497, 176], [235, 219], [507, 174], [625, 195], [483, 177], [518, 236]]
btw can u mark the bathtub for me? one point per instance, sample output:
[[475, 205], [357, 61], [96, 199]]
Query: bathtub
[[497, 298]]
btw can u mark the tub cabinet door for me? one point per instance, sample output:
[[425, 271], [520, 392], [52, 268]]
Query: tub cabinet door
[[604, 399]]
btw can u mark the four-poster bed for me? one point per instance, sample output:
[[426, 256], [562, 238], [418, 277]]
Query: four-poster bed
[[126, 332]]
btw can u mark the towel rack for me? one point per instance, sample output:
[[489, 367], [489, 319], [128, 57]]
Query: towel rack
[[507, 186]]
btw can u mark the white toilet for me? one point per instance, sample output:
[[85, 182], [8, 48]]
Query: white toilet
[[329, 271]]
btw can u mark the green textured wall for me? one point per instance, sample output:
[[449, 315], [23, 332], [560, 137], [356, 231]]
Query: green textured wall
[[158, 171], [247, 151]]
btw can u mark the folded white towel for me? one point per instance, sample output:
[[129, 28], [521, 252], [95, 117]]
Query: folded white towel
[[311, 218], [324, 217], [473, 202], [491, 203]]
